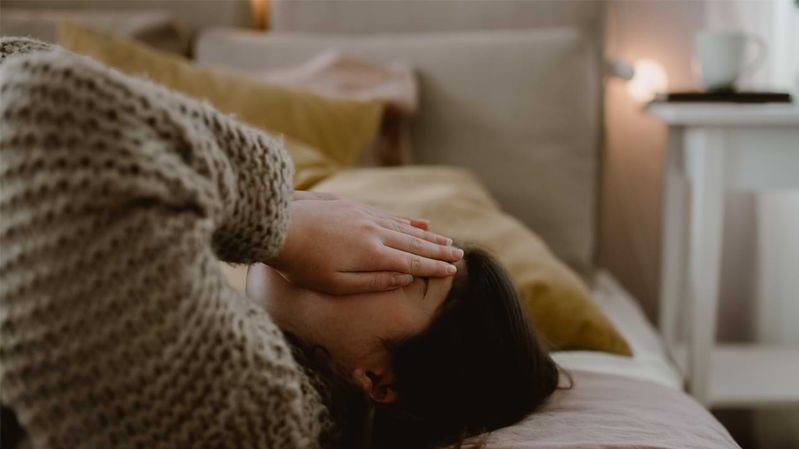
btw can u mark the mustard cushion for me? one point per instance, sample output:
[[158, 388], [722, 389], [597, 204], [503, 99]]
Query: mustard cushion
[[340, 129], [553, 296], [310, 166]]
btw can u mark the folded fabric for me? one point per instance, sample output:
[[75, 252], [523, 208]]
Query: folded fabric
[[339, 75], [339, 128], [554, 298]]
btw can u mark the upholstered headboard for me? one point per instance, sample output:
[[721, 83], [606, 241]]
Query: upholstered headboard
[[509, 89], [404, 16]]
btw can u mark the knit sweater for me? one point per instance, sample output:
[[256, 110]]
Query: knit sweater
[[117, 328]]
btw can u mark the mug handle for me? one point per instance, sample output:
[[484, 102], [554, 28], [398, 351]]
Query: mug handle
[[760, 57]]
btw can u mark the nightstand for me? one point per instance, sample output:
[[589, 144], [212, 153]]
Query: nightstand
[[712, 148]]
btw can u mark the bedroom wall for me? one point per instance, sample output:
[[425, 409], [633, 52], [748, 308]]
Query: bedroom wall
[[194, 13], [631, 185]]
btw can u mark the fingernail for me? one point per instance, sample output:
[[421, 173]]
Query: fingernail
[[449, 241], [451, 269], [457, 252]]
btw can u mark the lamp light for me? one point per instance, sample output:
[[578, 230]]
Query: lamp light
[[649, 79], [260, 13]]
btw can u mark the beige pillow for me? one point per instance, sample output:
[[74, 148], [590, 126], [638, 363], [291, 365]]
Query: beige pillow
[[554, 298], [339, 128]]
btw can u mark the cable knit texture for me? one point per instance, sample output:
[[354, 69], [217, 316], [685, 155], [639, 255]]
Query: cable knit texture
[[117, 328]]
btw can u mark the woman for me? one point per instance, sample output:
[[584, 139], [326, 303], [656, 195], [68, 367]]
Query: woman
[[117, 328]]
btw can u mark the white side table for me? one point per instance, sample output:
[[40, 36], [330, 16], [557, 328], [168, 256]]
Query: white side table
[[711, 148]]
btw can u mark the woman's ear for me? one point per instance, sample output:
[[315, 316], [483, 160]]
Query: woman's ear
[[379, 387]]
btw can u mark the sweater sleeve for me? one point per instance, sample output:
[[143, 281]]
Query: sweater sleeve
[[117, 328]]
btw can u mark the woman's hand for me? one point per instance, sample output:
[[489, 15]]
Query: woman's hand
[[420, 223], [343, 247]]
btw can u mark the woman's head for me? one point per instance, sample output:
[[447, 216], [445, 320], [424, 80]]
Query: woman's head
[[356, 331], [438, 365]]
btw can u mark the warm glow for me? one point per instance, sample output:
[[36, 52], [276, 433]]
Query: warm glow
[[260, 13], [649, 79]]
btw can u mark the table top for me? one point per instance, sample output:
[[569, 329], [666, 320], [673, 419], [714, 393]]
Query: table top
[[723, 114]]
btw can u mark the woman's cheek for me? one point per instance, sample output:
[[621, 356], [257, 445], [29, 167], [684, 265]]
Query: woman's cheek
[[408, 322], [386, 315], [378, 310], [393, 319]]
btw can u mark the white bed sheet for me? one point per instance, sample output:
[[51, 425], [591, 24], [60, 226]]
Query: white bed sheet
[[649, 361]]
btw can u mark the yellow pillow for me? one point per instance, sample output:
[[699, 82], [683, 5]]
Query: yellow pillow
[[554, 298], [310, 166], [339, 128]]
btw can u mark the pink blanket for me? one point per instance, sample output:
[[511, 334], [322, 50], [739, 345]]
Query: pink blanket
[[612, 412]]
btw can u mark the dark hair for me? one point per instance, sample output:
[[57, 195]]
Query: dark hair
[[476, 368]]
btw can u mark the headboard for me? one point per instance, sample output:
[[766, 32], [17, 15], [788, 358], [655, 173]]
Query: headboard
[[510, 89], [413, 16]]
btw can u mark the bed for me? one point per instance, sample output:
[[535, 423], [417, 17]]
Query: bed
[[512, 91]]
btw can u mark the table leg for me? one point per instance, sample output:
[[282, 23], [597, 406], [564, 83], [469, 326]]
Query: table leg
[[706, 171], [673, 243]]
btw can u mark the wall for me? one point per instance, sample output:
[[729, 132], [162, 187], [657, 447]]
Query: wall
[[632, 179], [196, 14]]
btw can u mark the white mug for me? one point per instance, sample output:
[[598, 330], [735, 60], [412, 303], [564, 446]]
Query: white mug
[[720, 57]]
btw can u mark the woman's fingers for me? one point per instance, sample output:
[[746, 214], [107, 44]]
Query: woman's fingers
[[414, 222], [420, 223], [408, 229], [414, 264], [401, 220], [347, 283], [420, 247]]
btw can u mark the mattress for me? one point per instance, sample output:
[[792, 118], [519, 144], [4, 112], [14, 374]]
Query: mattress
[[650, 360]]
